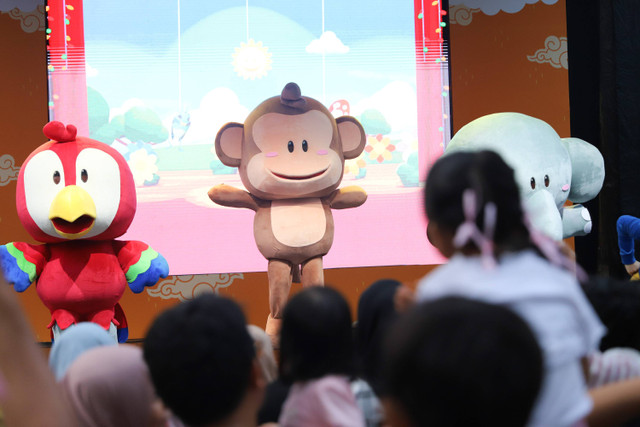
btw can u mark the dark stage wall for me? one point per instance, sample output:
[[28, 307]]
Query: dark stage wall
[[604, 81]]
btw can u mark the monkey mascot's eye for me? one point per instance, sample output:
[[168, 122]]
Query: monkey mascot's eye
[[290, 146], [305, 145], [533, 183]]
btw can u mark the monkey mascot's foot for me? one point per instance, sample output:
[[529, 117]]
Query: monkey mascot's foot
[[273, 331]]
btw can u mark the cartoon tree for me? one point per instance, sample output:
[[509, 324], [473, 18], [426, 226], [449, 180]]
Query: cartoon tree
[[374, 122], [138, 124], [100, 128], [142, 124]]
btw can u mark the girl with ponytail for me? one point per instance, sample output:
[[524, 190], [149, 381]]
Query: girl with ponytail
[[476, 219]]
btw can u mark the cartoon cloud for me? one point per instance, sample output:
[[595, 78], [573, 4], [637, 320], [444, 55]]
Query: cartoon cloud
[[76, 195], [290, 153], [549, 170]]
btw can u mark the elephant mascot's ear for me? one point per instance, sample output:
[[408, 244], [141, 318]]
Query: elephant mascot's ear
[[587, 166]]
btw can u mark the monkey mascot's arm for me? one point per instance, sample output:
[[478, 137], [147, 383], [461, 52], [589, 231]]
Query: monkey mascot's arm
[[226, 195], [347, 197]]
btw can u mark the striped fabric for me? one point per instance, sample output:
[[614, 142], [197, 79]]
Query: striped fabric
[[613, 365]]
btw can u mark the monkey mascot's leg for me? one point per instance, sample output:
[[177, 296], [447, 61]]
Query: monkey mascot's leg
[[280, 274], [312, 272]]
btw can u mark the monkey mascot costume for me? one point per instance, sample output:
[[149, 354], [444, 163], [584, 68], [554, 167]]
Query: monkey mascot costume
[[290, 154]]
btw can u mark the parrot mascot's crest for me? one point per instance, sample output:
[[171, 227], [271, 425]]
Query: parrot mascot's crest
[[76, 195]]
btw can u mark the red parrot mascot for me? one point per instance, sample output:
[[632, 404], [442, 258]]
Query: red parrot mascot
[[76, 195]]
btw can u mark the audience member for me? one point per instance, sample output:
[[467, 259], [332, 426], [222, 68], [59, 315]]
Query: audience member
[[317, 357], [109, 386], [617, 303], [459, 362], [475, 217], [376, 312], [74, 341], [29, 395], [203, 363], [264, 353]]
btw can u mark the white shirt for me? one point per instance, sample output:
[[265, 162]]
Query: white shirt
[[551, 302]]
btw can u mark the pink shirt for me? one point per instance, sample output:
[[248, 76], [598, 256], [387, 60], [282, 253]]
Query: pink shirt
[[327, 401]]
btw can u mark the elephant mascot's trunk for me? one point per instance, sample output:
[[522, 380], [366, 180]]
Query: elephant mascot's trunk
[[543, 213]]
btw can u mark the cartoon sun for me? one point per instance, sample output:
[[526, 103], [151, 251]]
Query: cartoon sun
[[252, 60]]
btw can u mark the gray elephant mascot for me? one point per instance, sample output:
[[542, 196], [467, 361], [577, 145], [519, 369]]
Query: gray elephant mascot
[[549, 170]]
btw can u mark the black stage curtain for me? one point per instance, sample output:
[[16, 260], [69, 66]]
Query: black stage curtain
[[604, 94]]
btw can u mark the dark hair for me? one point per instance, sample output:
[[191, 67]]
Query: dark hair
[[458, 362], [316, 338], [492, 180], [200, 355], [376, 313], [617, 304]]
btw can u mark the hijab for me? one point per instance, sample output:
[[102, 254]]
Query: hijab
[[111, 387], [74, 341]]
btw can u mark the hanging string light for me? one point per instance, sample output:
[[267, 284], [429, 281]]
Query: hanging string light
[[182, 121]]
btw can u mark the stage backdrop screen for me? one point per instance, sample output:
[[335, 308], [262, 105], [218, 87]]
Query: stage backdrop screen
[[157, 80]]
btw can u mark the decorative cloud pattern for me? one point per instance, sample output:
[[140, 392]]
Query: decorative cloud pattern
[[23, 5], [492, 7], [188, 287], [327, 43], [30, 20], [8, 169], [461, 15], [554, 53]]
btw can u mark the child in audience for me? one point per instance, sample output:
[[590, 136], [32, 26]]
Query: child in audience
[[203, 363], [74, 341], [264, 353], [376, 312], [110, 386], [316, 355], [458, 362], [475, 217]]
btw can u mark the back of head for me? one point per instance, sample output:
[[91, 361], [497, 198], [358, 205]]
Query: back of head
[[458, 362], [74, 341], [376, 312], [110, 386], [316, 338], [491, 180], [200, 358], [617, 303]]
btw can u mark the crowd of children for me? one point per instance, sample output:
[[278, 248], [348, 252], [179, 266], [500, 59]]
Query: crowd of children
[[503, 334]]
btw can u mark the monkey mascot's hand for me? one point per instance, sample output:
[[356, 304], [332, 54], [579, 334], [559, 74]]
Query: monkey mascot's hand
[[290, 154]]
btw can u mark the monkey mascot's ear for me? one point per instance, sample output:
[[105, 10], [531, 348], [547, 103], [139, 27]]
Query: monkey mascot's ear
[[352, 136], [229, 144]]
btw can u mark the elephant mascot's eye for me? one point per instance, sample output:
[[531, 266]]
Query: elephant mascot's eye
[[533, 183], [546, 180]]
